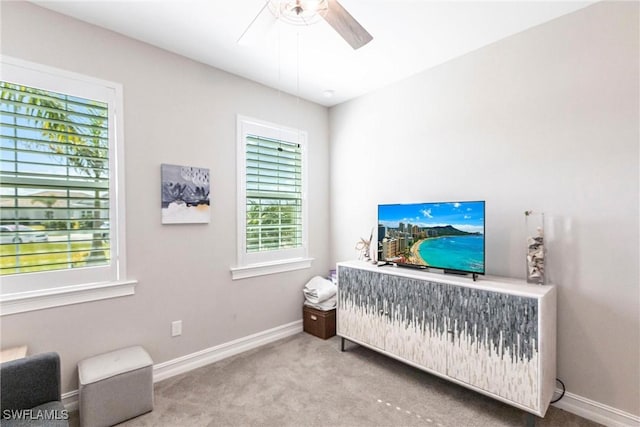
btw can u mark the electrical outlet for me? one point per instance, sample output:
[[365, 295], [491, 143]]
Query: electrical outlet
[[176, 328]]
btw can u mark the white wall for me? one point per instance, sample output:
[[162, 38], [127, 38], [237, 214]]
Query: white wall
[[545, 120], [181, 112]]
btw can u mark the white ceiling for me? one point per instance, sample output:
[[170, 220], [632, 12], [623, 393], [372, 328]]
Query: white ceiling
[[409, 36]]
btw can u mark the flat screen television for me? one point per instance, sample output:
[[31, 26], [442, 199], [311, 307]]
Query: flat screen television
[[443, 235]]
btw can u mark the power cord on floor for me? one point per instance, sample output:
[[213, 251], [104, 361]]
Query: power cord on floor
[[563, 390]]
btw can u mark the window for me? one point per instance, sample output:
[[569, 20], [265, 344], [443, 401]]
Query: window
[[272, 206], [60, 214]]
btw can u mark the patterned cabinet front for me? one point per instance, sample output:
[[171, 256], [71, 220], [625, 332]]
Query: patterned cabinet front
[[494, 343], [361, 306], [483, 338], [416, 329]]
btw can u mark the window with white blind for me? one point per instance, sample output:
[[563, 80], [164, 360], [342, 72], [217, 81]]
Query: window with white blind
[[272, 207], [60, 222]]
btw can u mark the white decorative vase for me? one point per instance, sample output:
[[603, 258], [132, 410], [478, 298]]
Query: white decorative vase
[[534, 223]]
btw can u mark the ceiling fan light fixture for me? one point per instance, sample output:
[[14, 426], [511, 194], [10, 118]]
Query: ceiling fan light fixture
[[299, 12], [308, 12]]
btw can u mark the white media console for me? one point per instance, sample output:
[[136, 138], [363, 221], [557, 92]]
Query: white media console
[[496, 336]]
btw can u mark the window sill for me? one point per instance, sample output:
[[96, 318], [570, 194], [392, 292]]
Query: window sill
[[262, 269], [55, 297]]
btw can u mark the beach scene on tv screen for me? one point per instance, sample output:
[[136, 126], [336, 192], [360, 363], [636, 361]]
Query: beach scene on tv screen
[[447, 236]]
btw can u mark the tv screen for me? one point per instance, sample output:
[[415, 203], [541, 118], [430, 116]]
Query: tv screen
[[445, 235]]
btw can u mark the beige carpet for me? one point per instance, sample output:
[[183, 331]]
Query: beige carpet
[[305, 381]]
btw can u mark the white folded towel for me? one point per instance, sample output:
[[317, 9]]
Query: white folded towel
[[327, 305], [318, 290]]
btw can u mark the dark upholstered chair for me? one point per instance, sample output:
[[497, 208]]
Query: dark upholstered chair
[[30, 392]]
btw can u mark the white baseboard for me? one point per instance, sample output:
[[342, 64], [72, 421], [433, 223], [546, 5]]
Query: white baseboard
[[183, 364], [596, 411], [70, 400], [180, 365]]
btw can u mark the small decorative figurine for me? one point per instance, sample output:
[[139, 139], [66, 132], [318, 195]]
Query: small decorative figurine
[[364, 247]]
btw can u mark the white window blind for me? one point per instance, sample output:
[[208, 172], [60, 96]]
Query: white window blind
[[272, 199], [62, 201], [273, 194], [54, 181]]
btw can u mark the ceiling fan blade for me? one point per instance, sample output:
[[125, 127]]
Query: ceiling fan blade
[[257, 29], [346, 25]]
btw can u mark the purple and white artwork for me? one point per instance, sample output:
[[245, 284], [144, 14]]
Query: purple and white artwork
[[185, 194]]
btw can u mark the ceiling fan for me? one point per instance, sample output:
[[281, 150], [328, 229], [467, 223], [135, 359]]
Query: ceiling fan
[[307, 12]]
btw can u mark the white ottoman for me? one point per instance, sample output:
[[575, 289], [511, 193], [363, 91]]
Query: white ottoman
[[115, 386]]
